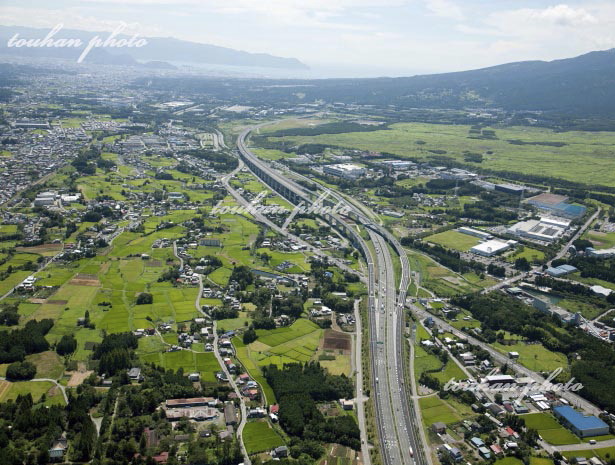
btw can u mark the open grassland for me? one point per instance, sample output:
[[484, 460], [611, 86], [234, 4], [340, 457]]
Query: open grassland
[[442, 281], [48, 365], [454, 240], [531, 255], [259, 436], [434, 409], [10, 391], [600, 239], [586, 156], [534, 356]]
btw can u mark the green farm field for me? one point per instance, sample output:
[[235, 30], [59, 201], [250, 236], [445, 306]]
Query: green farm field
[[259, 436]]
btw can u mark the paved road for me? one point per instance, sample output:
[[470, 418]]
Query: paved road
[[244, 411], [397, 424], [519, 369]]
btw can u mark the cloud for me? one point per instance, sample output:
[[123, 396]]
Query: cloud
[[445, 9]]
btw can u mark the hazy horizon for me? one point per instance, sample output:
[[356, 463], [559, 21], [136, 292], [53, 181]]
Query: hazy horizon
[[351, 38]]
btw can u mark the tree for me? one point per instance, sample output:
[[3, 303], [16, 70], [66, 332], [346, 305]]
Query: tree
[[67, 345], [249, 336], [145, 298], [522, 264], [21, 371]]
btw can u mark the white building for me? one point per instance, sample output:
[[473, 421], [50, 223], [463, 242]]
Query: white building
[[491, 248], [344, 170]]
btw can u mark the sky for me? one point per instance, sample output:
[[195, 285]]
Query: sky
[[351, 37]]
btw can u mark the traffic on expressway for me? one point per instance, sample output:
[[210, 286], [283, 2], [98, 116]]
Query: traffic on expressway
[[398, 428]]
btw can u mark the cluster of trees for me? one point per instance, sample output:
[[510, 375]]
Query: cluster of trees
[[575, 291], [67, 345], [115, 353], [145, 298], [243, 276], [9, 315], [33, 429], [17, 343], [20, 371], [288, 305], [591, 267], [298, 387], [592, 361]]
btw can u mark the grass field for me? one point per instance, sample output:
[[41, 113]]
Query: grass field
[[604, 453], [550, 430], [585, 158], [513, 461], [434, 409], [442, 281], [454, 240], [531, 255], [10, 391], [259, 436], [535, 356]]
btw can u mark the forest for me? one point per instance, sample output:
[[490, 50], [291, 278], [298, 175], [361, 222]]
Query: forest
[[298, 388]]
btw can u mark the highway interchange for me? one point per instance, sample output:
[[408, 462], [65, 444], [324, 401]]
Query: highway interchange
[[398, 427]]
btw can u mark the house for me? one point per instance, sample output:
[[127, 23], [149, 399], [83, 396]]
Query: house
[[438, 427], [484, 452], [347, 404], [453, 452], [58, 449], [496, 410], [477, 442], [194, 377], [134, 374], [497, 450], [279, 452]]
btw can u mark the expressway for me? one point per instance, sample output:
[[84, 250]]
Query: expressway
[[398, 427]]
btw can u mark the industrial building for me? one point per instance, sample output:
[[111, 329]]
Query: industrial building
[[557, 205], [545, 229], [475, 232], [581, 425], [600, 253], [344, 170], [45, 199], [398, 165], [513, 189], [561, 270], [491, 248]]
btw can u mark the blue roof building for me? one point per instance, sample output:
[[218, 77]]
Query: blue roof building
[[477, 442], [561, 270], [581, 425]]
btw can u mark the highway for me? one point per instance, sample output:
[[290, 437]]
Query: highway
[[398, 428]]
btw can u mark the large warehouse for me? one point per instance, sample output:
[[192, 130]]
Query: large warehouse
[[545, 229], [491, 248], [581, 425]]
